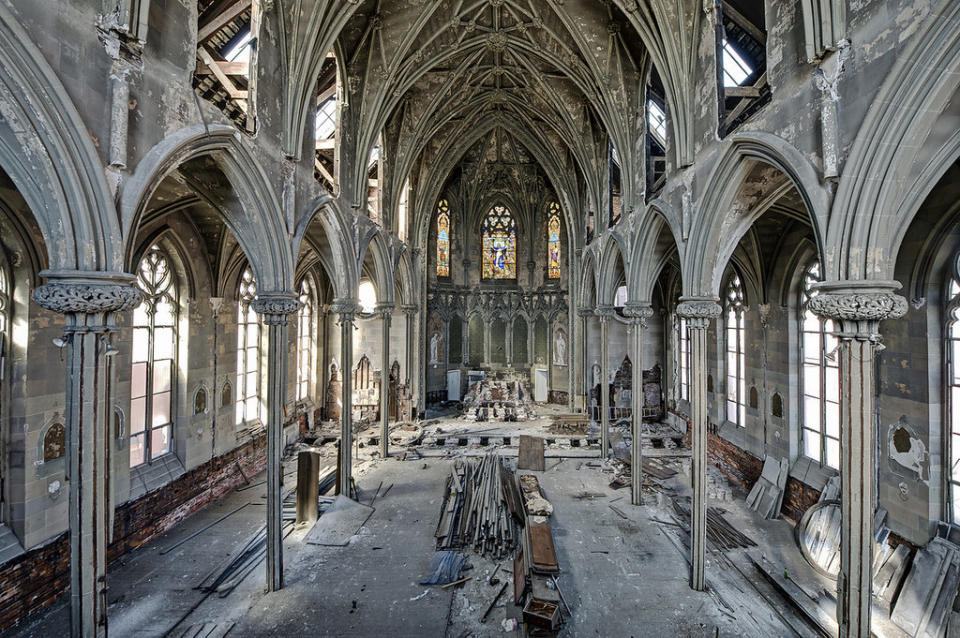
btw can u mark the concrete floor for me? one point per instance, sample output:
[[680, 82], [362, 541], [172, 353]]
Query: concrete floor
[[621, 577]]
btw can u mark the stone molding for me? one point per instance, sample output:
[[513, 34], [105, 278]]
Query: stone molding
[[275, 308], [859, 306], [87, 298], [638, 314], [604, 312], [585, 312], [346, 308], [410, 309]]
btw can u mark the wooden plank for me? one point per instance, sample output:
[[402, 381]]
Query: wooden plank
[[530, 456], [804, 604], [229, 68], [227, 83], [741, 91], [543, 556], [217, 22], [519, 578]]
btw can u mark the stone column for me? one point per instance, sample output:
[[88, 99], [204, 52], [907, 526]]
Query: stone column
[[274, 308], [584, 371], [604, 313], [639, 314], [508, 341], [857, 307], [698, 311], [385, 315], [89, 301], [347, 309], [531, 346], [409, 315], [486, 342]]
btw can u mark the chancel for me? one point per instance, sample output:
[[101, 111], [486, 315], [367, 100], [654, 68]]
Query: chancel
[[447, 318]]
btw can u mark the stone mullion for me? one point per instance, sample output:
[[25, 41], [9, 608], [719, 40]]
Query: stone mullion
[[90, 302], [857, 308]]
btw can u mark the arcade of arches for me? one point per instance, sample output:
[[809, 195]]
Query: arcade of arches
[[705, 252]]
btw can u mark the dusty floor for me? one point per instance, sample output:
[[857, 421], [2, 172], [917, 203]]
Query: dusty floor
[[621, 576]]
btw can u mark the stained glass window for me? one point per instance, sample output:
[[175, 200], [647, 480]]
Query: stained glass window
[[821, 379], [499, 244], [248, 351], [443, 239], [553, 242], [153, 350], [736, 353]]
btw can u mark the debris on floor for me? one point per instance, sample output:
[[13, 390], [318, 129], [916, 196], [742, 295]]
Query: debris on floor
[[719, 531], [766, 497], [444, 568], [927, 598], [475, 510]]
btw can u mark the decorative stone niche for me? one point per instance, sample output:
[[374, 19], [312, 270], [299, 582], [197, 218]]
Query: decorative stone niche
[[200, 401]]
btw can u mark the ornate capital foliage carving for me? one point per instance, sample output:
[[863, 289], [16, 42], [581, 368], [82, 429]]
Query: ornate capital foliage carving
[[274, 309], [858, 306], [698, 311], [410, 309], [346, 308], [638, 314], [605, 313], [87, 298]]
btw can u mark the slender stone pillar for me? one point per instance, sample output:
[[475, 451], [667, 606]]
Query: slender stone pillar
[[347, 309], [274, 308], [605, 313], [857, 307], [584, 369], [409, 315], [90, 301], [385, 316], [639, 314], [698, 311]]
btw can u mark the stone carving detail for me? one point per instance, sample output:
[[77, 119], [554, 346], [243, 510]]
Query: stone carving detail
[[638, 314], [699, 312], [860, 306], [274, 309], [66, 298]]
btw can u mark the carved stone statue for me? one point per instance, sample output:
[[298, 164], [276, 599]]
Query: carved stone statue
[[560, 348]]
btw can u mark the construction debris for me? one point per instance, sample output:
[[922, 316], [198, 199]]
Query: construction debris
[[475, 510], [930, 588], [444, 568], [719, 531], [570, 424], [766, 497]]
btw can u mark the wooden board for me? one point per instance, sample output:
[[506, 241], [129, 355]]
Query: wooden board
[[543, 556], [519, 578], [530, 456]]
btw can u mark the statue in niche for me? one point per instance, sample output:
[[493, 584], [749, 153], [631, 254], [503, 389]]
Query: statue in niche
[[226, 395], [54, 443], [560, 347], [596, 374], [436, 345]]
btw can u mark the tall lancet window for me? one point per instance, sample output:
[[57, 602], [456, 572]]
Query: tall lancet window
[[952, 350], [153, 354], [821, 379], [499, 244], [306, 341], [248, 351], [736, 352], [553, 242], [443, 239]]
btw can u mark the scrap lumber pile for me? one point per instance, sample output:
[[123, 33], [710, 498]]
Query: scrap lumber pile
[[481, 508], [925, 603], [536, 566], [766, 497], [720, 532]]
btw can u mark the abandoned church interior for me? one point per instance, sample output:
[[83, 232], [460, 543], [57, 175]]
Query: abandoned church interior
[[472, 318]]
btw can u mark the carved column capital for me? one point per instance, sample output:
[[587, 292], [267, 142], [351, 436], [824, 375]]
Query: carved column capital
[[88, 293], [638, 313], [275, 307], [385, 310], [698, 311], [585, 312], [346, 308], [858, 306], [409, 309], [604, 312]]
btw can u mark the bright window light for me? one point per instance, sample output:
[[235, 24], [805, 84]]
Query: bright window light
[[368, 297], [735, 68], [621, 299], [239, 51], [327, 119], [657, 121], [374, 156]]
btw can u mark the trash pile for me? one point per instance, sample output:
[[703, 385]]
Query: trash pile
[[766, 497]]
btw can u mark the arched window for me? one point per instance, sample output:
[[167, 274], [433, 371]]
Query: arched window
[[153, 353], [681, 340], [443, 239], [821, 379], [736, 354], [306, 340], [553, 242], [499, 244], [248, 351], [952, 352]]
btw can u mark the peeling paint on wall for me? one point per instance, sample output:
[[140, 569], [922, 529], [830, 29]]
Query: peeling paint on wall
[[907, 452]]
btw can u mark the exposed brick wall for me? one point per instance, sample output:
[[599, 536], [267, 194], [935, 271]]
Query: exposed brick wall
[[742, 468], [35, 579]]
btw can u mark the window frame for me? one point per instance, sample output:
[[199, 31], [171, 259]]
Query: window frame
[[553, 218], [498, 212], [828, 377], [443, 211], [306, 340], [951, 356], [735, 304], [151, 299], [243, 399]]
